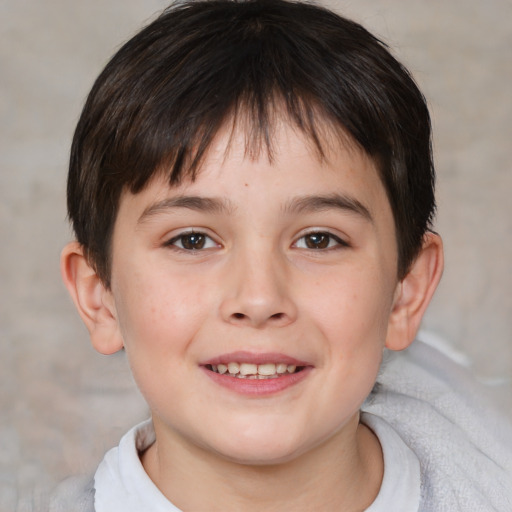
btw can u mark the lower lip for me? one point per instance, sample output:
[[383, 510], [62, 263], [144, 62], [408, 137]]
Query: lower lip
[[258, 387]]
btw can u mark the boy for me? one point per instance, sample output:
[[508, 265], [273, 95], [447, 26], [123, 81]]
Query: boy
[[251, 188]]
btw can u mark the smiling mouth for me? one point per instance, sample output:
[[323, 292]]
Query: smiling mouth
[[252, 371]]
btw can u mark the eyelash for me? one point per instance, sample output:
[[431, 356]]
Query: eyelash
[[339, 243], [182, 236], [324, 236]]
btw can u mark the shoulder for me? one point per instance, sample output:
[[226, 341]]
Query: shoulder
[[401, 484], [441, 412], [75, 494]]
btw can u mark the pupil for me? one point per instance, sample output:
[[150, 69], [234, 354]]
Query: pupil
[[193, 241], [317, 241]]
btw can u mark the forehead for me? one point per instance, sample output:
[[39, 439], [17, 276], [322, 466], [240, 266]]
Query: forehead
[[266, 197], [282, 170]]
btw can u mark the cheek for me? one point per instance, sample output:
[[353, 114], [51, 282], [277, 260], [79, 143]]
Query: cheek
[[352, 305], [158, 313], [159, 320]]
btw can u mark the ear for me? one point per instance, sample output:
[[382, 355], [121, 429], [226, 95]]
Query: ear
[[94, 302], [414, 292]]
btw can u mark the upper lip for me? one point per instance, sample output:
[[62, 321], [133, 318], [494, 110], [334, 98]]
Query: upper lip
[[254, 358]]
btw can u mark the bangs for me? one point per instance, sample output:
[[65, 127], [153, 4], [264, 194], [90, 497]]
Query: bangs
[[248, 65], [256, 121], [251, 78]]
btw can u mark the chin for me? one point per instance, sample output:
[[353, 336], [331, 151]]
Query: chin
[[261, 448], [256, 456]]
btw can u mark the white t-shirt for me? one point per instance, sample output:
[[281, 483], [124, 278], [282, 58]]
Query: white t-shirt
[[122, 485], [401, 486], [425, 407]]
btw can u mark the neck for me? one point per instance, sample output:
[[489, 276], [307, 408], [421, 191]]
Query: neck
[[343, 473]]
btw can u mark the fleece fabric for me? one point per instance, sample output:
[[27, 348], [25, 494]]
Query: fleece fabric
[[444, 449]]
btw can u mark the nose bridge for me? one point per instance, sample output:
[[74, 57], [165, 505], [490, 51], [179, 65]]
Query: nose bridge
[[257, 289]]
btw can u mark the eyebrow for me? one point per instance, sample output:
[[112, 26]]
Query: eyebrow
[[200, 204], [334, 201], [304, 204]]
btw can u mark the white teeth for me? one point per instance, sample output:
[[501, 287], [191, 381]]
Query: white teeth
[[267, 369], [281, 368], [248, 369], [233, 368], [254, 371]]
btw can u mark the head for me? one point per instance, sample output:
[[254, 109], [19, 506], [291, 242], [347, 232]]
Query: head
[[161, 100], [251, 182]]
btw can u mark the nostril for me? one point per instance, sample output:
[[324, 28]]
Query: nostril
[[257, 319]]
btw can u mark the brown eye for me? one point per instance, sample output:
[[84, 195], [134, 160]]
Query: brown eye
[[192, 241], [317, 240]]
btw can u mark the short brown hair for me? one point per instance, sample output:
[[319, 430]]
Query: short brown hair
[[164, 95]]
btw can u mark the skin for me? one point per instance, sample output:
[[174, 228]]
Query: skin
[[260, 283]]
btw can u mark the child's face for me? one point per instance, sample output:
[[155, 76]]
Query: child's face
[[291, 262]]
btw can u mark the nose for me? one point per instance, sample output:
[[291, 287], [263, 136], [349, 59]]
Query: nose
[[258, 291]]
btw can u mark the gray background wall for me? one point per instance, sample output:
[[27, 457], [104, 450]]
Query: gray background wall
[[62, 405]]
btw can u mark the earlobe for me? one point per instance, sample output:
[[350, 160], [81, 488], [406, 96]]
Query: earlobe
[[92, 299], [414, 293]]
